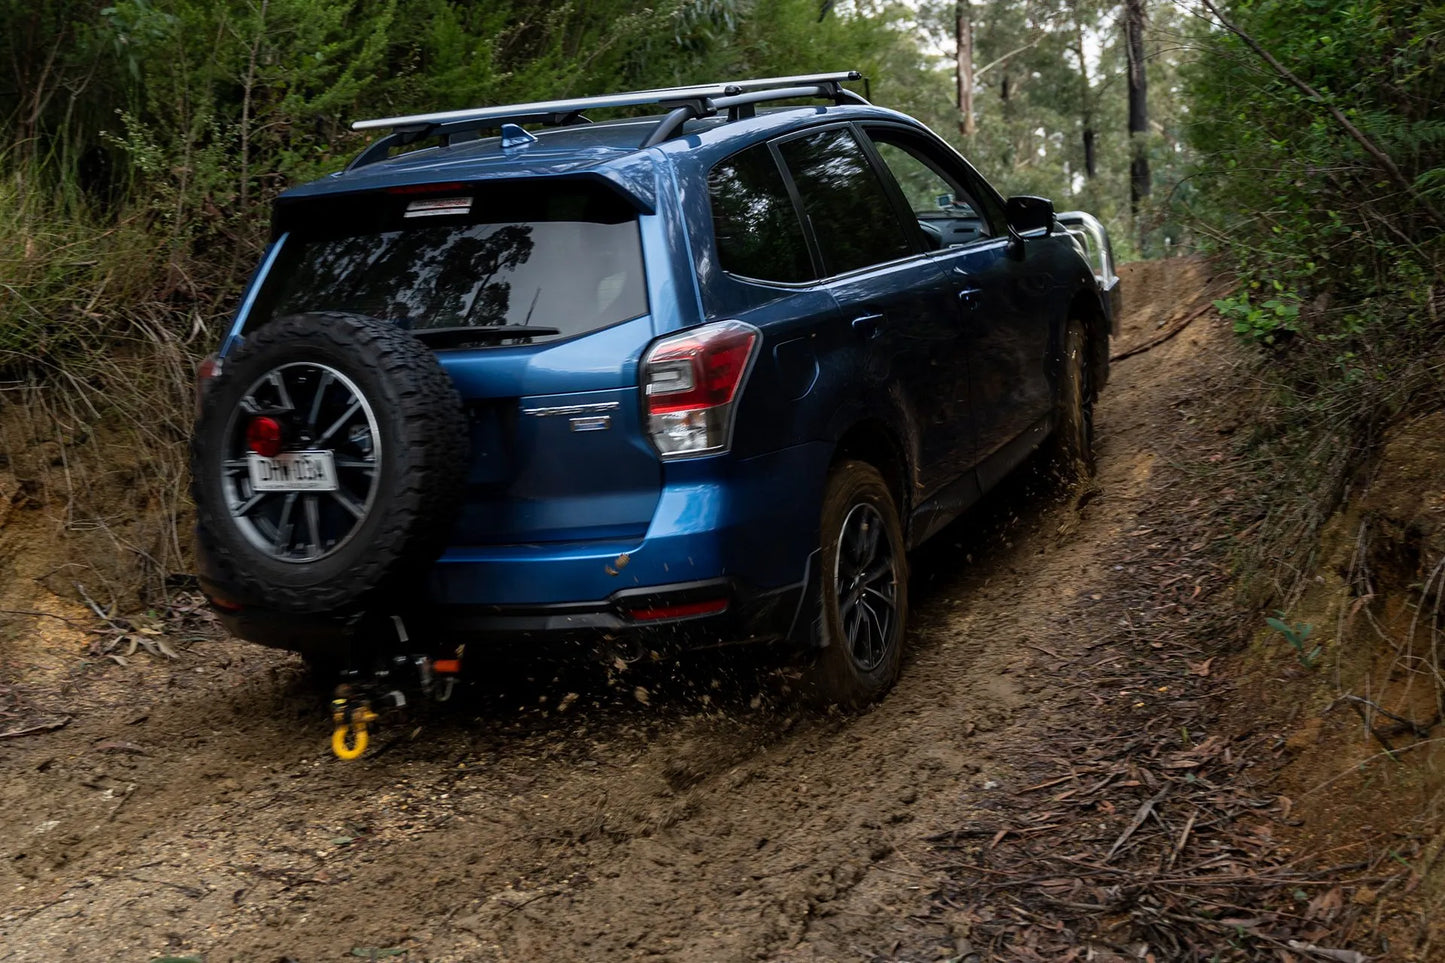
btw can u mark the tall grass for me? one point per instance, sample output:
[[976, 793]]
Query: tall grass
[[99, 337]]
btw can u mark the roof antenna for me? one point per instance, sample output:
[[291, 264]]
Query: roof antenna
[[514, 135]]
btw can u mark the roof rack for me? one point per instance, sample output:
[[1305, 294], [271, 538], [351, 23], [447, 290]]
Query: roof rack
[[738, 98]]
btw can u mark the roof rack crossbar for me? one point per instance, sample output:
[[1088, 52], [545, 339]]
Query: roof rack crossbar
[[631, 99], [683, 104]]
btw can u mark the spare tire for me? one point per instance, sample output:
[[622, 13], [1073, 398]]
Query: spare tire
[[327, 463]]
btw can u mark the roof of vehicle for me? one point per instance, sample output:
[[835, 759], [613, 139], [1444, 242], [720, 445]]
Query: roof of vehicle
[[610, 151]]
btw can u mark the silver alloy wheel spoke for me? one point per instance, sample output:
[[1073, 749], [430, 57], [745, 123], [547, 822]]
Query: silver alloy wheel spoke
[[326, 378], [284, 526], [279, 383], [245, 507], [346, 416], [345, 502], [313, 524]]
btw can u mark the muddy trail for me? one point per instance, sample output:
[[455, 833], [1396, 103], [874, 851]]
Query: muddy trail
[[188, 806]]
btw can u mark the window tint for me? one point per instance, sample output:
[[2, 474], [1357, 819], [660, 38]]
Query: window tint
[[518, 261], [756, 227], [853, 221]]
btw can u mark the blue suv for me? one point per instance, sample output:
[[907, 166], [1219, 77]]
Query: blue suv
[[698, 377]]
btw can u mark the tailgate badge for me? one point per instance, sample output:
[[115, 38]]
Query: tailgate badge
[[591, 423]]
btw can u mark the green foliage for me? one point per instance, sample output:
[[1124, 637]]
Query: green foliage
[[146, 137], [1287, 190], [1339, 265], [1048, 75], [1297, 634], [1263, 322]]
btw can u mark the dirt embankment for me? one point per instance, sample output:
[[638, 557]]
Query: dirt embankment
[[1050, 780]]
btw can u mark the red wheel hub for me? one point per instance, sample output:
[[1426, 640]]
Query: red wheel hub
[[263, 436]]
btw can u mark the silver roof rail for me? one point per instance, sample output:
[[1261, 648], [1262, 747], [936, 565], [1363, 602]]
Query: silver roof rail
[[575, 105]]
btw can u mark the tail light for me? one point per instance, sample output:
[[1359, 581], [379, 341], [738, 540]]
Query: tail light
[[690, 381], [208, 369]]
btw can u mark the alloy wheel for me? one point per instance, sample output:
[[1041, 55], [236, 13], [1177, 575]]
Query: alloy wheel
[[308, 413]]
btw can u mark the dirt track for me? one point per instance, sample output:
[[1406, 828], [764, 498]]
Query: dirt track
[[191, 808]]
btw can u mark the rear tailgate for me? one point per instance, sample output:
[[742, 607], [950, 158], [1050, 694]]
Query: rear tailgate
[[535, 297], [552, 465]]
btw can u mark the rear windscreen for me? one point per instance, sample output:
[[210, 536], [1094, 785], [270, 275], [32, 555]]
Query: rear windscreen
[[468, 257]]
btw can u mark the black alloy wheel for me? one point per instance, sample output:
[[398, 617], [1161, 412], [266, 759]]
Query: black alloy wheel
[[863, 589]]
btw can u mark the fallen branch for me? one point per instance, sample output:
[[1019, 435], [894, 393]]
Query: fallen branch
[[1159, 339], [32, 730], [1145, 809], [31, 613]]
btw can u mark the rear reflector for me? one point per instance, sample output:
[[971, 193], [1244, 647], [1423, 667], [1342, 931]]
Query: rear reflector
[[224, 604], [680, 611]]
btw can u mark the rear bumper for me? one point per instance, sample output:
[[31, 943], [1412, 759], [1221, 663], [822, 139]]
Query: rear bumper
[[666, 618], [735, 533]]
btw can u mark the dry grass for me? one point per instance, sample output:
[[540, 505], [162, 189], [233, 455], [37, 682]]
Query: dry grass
[[100, 331]]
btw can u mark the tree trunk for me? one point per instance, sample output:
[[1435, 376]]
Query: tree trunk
[[1086, 97], [963, 38], [1138, 106]]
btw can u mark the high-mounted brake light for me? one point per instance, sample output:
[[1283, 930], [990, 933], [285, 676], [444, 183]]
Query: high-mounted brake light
[[690, 381]]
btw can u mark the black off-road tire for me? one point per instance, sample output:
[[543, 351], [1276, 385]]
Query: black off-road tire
[[413, 492], [1071, 447], [857, 663]]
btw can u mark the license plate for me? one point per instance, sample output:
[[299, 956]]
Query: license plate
[[293, 471]]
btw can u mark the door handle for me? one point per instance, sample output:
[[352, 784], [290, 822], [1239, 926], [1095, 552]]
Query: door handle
[[969, 298], [867, 326]]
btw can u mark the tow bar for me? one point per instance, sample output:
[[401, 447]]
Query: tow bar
[[351, 717], [351, 704]]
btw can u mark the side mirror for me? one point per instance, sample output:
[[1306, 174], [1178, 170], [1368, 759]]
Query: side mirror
[[1028, 215]]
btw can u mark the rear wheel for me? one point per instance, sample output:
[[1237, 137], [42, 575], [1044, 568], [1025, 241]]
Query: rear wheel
[[863, 589], [1072, 445]]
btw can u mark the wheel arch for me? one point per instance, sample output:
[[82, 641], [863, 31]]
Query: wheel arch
[[870, 440]]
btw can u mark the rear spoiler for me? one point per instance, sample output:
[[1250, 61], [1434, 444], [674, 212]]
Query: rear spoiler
[[1093, 243], [630, 180]]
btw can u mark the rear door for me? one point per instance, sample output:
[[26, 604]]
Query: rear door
[[536, 301], [894, 299]]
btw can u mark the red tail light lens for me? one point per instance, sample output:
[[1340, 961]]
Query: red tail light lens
[[690, 381]]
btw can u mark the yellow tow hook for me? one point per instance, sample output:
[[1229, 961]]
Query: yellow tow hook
[[351, 721]]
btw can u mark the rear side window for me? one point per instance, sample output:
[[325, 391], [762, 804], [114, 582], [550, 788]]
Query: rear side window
[[853, 221], [558, 259], [756, 227]]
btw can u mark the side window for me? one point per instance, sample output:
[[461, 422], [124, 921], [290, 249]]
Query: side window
[[853, 220], [756, 227], [947, 212]]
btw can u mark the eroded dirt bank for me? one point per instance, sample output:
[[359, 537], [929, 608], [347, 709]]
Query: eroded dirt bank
[[1046, 782]]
